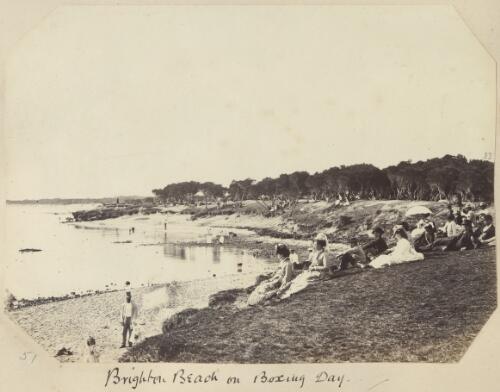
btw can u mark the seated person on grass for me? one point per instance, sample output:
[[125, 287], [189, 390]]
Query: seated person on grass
[[278, 282], [318, 270], [450, 228], [403, 252], [487, 234], [355, 256], [463, 241], [319, 258], [406, 228], [377, 246], [425, 241]]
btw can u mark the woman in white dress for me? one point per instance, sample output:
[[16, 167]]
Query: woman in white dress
[[403, 252]]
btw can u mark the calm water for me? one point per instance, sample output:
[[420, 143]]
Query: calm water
[[96, 255]]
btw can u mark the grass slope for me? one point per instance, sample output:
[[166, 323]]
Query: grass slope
[[427, 311]]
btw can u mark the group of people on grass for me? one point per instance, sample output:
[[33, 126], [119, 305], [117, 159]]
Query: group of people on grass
[[463, 230]]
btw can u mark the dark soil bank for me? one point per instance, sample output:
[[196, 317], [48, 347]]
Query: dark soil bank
[[427, 311]]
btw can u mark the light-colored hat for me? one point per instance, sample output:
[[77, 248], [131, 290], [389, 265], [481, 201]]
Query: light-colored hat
[[322, 237]]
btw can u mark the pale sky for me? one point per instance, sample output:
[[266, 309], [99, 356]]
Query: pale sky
[[104, 101]]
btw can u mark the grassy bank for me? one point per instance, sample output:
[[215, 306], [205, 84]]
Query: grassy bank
[[427, 311]]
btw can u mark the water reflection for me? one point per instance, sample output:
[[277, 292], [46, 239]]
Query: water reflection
[[175, 250], [89, 256], [183, 252], [216, 254]]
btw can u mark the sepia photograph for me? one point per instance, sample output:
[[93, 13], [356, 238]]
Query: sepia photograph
[[250, 185]]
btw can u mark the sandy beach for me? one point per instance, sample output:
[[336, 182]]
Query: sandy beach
[[69, 322]]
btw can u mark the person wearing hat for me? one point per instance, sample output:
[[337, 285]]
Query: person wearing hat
[[468, 214], [377, 246], [403, 252], [466, 240], [425, 241], [487, 234], [462, 241]]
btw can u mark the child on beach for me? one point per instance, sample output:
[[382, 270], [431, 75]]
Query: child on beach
[[89, 351]]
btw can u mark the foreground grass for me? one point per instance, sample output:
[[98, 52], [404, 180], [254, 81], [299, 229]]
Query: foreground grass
[[428, 311]]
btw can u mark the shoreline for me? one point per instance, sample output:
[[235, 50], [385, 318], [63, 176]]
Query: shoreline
[[97, 315], [256, 248], [372, 212], [256, 245]]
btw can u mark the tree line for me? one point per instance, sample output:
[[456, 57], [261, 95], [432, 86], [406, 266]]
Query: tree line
[[450, 177]]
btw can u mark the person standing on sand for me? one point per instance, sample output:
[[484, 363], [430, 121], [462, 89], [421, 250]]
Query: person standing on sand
[[128, 312]]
